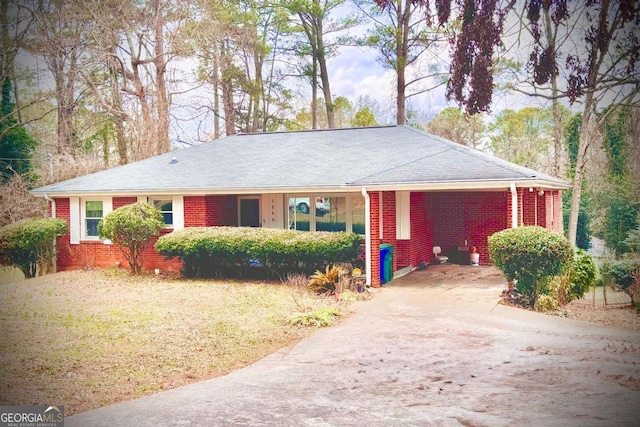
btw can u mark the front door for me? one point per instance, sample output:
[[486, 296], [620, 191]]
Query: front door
[[249, 212]]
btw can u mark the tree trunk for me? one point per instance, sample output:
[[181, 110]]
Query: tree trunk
[[314, 92], [65, 85], [117, 113], [162, 134], [402, 50], [227, 94], [257, 88], [215, 81], [588, 133], [558, 157], [324, 77]]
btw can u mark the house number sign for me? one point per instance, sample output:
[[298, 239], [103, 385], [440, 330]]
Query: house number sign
[[273, 210]]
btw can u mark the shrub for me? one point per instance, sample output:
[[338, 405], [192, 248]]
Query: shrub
[[29, 244], [131, 227], [326, 282], [323, 316], [531, 256], [622, 271], [210, 250], [582, 275], [546, 303]]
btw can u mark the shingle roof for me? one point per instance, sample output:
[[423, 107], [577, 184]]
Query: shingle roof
[[336, 158]]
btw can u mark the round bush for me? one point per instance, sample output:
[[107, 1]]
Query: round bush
[[28, 244], [131, 227], [530, 256]]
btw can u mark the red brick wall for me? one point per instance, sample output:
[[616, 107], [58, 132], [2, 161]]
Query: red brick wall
[[119, 202], [222, 211], [195, 211], [389, 223], [528, 206], [421, 228], [64, 256], [486, 213], [89, 254], [411, 252], [470, 216], [558, 224], [543, 220], [374, 199], [448, 211]]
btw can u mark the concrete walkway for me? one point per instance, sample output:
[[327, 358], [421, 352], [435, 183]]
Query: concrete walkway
[[431, 349]]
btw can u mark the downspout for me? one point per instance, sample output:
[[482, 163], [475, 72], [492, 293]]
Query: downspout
[[55, 247], [514, 206], [53, 205], [367, 234]]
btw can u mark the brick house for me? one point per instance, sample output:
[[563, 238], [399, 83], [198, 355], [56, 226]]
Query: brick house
[[392, 184]]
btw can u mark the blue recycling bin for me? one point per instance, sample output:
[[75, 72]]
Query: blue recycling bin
[[386, 263]]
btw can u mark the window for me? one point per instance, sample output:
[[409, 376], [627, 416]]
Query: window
[[299, 213], [165, 206], [331, 214], [358, 215], [93, 214], [334, 213]]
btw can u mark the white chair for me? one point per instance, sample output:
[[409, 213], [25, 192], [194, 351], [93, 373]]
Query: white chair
[[440, 258]]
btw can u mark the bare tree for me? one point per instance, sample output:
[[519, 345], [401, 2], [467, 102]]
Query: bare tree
[[57, 37], [314, 17], [404, 39]]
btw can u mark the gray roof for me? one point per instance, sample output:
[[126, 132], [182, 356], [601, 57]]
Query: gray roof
[[326, 159]]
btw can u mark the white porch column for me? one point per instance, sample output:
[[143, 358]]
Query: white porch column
[[514, 206], [367, 234]]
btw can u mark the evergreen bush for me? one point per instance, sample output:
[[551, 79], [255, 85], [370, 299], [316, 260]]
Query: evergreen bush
[[210, 251], [622, 271], [582, 275], [131, 227], [530, 256], [29, 244]]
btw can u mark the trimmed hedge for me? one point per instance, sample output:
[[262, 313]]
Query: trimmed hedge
[[209, 251], [29, 244], [531, 256]]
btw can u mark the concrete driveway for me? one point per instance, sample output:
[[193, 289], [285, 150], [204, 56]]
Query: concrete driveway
[[431, 349]]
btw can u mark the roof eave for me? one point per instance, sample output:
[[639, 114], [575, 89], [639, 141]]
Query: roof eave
[[414, 186]]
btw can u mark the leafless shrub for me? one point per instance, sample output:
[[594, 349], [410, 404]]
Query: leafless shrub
[[299, 290], [62, 167], [346, 283], [17, 203]]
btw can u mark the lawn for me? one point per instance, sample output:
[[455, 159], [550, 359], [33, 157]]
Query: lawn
[[88, 339]]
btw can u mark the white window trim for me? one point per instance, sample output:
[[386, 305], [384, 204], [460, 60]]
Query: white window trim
[[74, 221], [403, 215], [107, 208], [178, 212], [150, 200]]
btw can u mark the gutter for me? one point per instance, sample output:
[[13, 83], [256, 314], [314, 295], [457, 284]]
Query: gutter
[[53, 215], [367, 233], [484, 185]]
